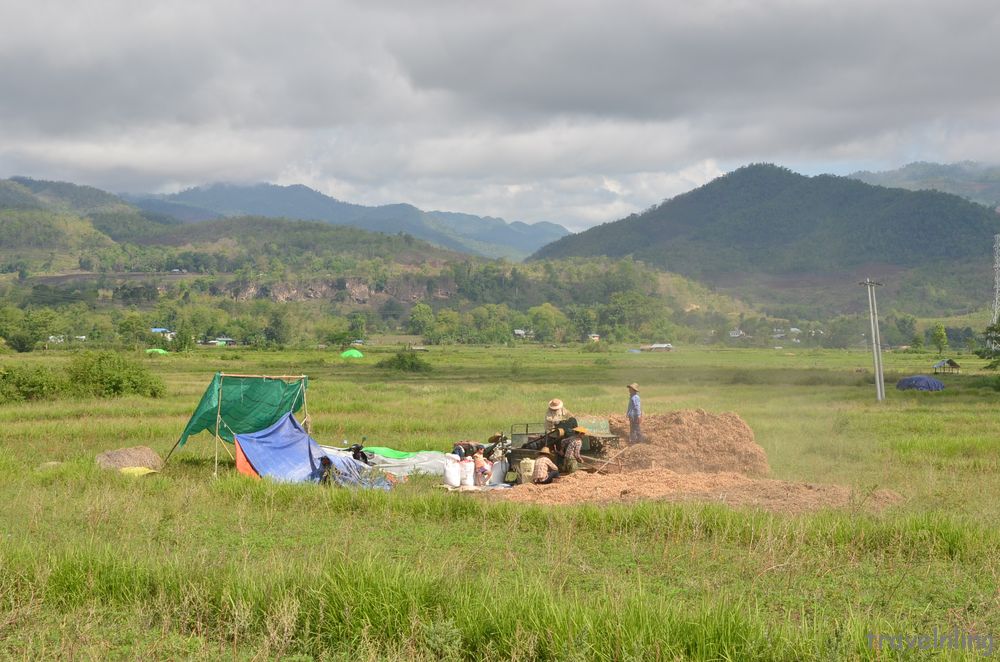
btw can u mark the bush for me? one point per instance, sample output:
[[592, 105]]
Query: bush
[[596, 347], [406, 362], [109, 374], [21, 383]]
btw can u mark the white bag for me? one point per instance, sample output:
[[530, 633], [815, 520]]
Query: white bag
[[452, 474]]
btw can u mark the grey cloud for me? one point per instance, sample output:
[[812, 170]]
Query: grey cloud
[[575, 112]]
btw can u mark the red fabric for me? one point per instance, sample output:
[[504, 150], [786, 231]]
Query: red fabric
[[243, 464]]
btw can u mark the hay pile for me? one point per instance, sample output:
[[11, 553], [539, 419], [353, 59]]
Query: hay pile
[[729, 488], [691, 441], [693, 455], [136, 456]]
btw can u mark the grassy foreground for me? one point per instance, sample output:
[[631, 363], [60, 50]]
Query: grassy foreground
[[181, 565]]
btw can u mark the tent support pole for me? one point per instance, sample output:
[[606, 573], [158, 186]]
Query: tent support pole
[[171, 451], [305, 408], [218, 419]]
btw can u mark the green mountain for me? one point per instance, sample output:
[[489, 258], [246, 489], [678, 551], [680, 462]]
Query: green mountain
[[486, 236], [799, 244], [58, 226], [973, 181]]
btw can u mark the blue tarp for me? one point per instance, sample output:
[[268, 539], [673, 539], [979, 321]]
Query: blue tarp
[[286, 452], [919, 383]]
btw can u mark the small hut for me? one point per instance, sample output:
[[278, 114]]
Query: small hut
[[947, 365]]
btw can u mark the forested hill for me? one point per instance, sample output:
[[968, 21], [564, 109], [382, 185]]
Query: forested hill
[[973, 181], [490, 237], [758, 229]]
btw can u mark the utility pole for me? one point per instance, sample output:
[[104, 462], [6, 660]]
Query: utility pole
[[996, 291], [876, 338]]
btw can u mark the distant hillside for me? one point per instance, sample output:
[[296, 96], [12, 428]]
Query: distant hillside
[[491, 237], [41, 232], [788, 241], [299, 243], [56, 226], [973, 181]]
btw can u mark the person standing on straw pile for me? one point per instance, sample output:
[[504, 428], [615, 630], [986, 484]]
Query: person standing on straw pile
[[634, 414], [557, 412]]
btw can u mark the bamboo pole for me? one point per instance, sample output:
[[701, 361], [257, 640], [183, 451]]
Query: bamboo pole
[[226, 374], [218, 420]]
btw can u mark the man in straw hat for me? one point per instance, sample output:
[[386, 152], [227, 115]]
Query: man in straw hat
[[545, 469], [634, 414], [556, 412]]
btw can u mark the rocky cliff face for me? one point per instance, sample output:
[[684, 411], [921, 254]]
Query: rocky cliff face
[[347, 290]]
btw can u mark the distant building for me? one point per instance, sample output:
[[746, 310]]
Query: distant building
[[163, 331], [594, 337]]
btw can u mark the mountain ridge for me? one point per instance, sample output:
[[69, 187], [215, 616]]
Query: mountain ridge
[[762, 221], [977, 182], [486, 236]]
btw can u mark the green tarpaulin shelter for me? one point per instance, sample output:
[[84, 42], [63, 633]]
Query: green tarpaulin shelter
[[157, 351], [352, 354], [245, 403]]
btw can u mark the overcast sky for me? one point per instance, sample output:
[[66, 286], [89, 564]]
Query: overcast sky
[[576, 112]]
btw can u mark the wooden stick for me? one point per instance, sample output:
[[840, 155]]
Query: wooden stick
[[218, 420], [226, 374], [608, 461]]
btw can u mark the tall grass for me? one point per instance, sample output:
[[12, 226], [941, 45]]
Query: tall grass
[[181, 565]]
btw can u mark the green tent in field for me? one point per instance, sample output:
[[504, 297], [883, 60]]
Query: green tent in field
[[239, 404], [352, 354], [157, 351]]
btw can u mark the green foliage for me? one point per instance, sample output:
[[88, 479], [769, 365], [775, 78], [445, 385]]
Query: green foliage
[[766, 224], [20, 383], [939, 338], [107, 374], [405, 362], [421, 319]]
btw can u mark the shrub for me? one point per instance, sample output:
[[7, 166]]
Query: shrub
[[22, 383], [406, 362], [109, 374]]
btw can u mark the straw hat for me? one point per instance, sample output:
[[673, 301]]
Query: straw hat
[[581, 430], [634, 387], [555, 403], [545, 451]]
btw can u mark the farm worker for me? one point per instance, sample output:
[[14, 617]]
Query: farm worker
[[482, 467], [325, 470], [556, 412], [634, 414], [359, 454], [545, 469], [465, 448], [571, 450]]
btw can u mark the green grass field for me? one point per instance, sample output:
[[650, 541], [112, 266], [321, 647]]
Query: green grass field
[[95, 565]]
